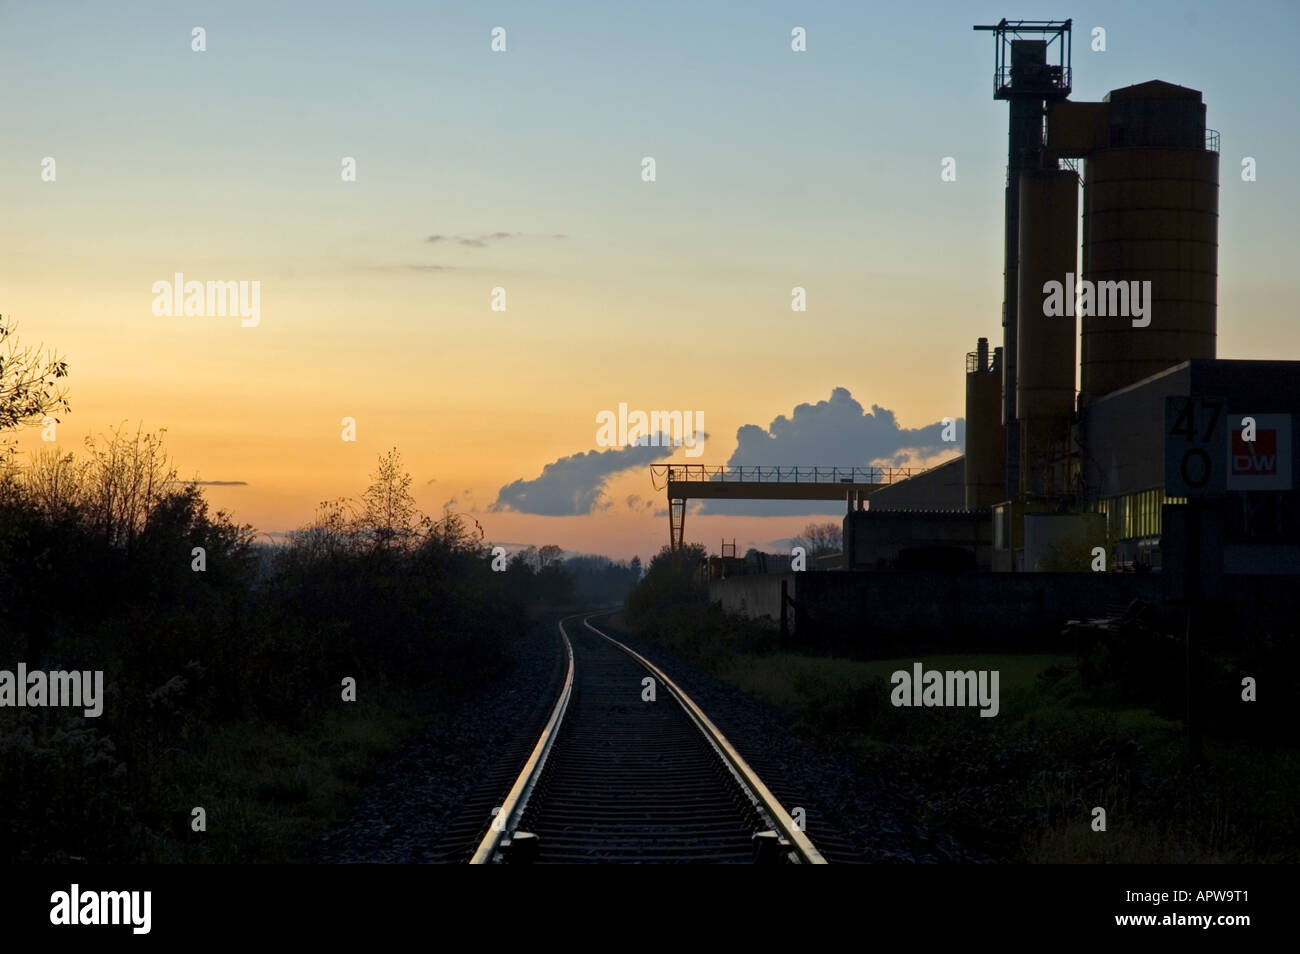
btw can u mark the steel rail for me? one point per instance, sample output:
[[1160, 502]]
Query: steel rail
[[513, 807], [794, 843], [801, 846]]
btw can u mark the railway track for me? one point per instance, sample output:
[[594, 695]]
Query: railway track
[[629, 769]]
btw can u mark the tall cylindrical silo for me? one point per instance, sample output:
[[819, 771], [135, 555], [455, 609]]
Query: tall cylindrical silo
[[1049, 242], [1151, 214]]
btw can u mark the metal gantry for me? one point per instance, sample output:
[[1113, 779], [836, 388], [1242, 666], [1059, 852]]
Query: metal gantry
[[684, 482]]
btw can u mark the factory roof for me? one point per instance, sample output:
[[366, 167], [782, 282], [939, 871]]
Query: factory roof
[[1152, 89], [1265, 383]]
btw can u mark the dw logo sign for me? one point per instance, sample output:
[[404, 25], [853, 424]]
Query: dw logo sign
[[1254, 458], [1265, 462]]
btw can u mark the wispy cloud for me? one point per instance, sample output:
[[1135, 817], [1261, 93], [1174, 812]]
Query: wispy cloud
[[462, 502], [472, 241], [409, 267], [484, 240], [638, 504]]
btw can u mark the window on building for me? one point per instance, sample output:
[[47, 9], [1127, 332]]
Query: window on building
[[1136, 515]]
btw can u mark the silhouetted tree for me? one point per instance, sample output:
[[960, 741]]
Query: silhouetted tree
[[54, 482], [331, 533], [29, 382], [389, 515], [671, 580], [457, 532], [124, 480], [820, 538]]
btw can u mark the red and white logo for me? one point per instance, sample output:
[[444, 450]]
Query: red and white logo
[[1257, 458], [1264, 463]]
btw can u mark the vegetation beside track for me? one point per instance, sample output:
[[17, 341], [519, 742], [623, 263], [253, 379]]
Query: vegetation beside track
[[1098, 728]]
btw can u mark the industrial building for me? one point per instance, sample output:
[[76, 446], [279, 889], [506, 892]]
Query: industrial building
[[1110, 454], [1052, 472]]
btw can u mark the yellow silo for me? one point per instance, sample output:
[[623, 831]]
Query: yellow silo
[[1151, 214], [1049, 241]]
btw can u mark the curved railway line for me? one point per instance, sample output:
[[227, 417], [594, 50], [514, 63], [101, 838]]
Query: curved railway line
[[629, 769]]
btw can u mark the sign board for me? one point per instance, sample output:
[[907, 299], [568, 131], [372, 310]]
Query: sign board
[[1196, 446], [1265, 462]]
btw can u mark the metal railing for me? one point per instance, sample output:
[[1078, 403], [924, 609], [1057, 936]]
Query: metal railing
[[1059, 77], [796, 475], [1212, 140]]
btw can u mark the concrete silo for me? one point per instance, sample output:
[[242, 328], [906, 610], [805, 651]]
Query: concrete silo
[[1151, 214], [1049, 245]]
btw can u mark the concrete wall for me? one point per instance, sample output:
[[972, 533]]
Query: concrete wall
[[874, 538], [883, 614], [753, 597], [888, 614]]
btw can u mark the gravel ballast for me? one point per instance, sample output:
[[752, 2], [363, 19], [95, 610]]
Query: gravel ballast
[[426, 788]]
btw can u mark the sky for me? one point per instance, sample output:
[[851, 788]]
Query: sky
[[522, 170]]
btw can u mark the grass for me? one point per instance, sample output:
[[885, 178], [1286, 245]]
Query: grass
[[794, 681], [266, 792], [1021, 786]]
